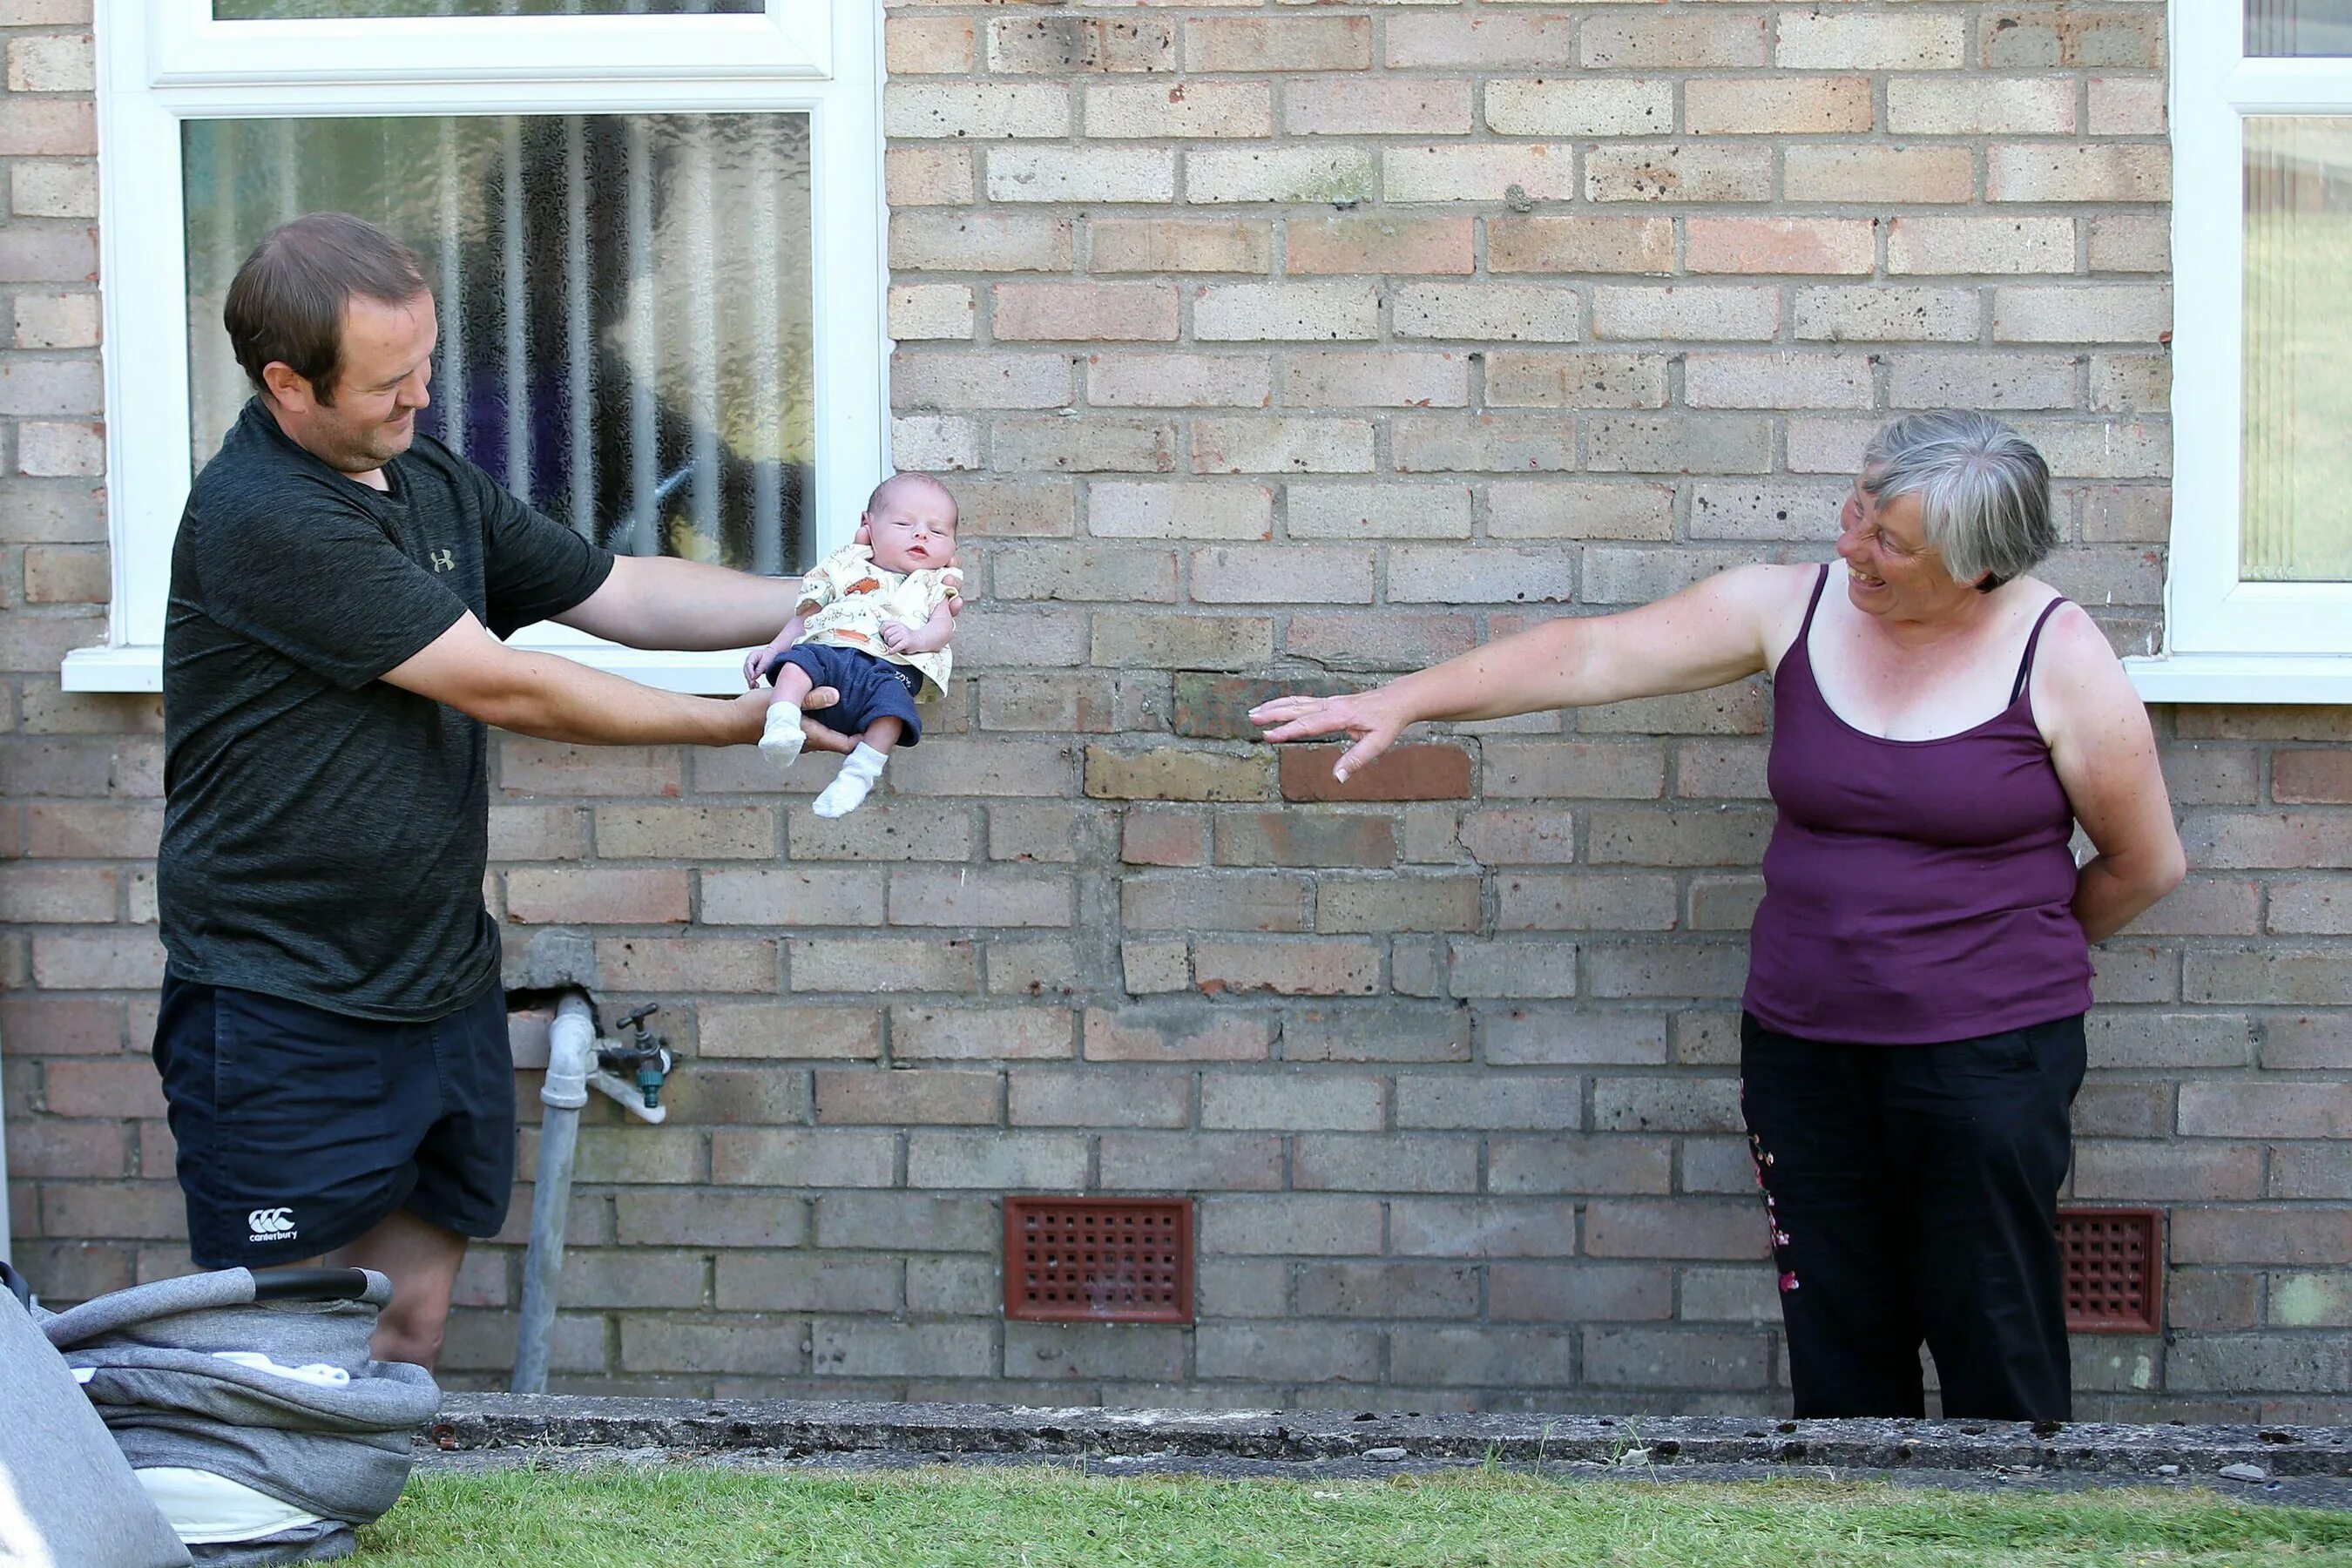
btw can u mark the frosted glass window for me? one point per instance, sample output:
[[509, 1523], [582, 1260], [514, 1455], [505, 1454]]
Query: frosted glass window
[[2298, 378], [2298, 28], [319, 10], [624, 301]]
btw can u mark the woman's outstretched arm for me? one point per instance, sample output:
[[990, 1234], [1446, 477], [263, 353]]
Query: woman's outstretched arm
[[1710, 634]]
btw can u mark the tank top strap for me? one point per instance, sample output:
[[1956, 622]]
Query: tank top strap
[[1805, 632], [2032, 641]]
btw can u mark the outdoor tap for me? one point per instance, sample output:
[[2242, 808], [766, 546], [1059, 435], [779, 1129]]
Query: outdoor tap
[[646, 1055]]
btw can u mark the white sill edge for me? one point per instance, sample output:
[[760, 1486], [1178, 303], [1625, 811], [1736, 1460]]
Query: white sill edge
[[2174, 677], [2249, 677], [700, 674]]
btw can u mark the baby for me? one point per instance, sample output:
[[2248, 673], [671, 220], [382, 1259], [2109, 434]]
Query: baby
[[874, 621]]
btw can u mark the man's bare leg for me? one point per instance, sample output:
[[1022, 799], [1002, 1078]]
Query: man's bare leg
[[422, 1261]]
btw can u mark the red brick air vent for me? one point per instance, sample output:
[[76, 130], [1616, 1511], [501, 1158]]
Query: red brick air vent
[[2114, 1269], [1126, 1261]]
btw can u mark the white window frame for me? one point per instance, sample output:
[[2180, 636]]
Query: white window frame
[[162, 62], [2226, 639]]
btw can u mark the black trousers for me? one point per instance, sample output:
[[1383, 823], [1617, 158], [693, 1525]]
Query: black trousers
[[1913, 1194]]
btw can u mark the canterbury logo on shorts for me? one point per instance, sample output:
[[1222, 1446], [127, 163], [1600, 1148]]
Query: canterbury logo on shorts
[[270, 1224]]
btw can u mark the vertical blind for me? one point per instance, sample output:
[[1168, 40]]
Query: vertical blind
[[624, 304]]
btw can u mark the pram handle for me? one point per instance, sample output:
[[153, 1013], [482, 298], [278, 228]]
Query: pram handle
[[309, 1284]]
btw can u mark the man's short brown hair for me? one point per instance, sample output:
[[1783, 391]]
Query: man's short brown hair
[[286, 304]]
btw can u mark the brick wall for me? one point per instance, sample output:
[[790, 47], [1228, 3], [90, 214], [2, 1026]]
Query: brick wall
[[1283, 346]]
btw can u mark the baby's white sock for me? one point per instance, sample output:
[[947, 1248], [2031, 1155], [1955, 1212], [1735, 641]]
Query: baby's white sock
[[849, 788], [780, 742]]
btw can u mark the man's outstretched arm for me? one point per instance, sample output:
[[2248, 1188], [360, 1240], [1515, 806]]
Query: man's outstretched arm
[[661, 602], [556, 700]]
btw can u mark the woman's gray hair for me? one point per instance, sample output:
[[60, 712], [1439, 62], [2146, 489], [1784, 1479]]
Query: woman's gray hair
[[1984, 492]]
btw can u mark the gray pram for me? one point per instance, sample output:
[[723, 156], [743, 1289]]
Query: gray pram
[[302, 1414]]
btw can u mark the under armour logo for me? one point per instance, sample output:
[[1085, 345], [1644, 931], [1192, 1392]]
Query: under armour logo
[[443, 560], [270, 1224]]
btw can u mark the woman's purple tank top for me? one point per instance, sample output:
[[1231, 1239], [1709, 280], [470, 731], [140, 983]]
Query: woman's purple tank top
[[1915, 891]]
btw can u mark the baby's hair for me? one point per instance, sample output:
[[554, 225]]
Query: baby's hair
[[923, 481]]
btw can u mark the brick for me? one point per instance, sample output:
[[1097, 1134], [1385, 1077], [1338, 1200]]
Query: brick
[[1081, 174], [1387, 106], [550, 767], [855, 1348], [1481, 444], [2304, 1236], [1547, 1102], [1512, 1036], [1282, 446], [1182, 1033], [96, 1087], [1392, 902], [1278, 44], [1291, 174], [1280, 312], [1482, 1227], [1496, 313], [1098, 1097], [978, 109], [1179, 244], [1328, 968], [2114, 36], [962, 380], [924, 176], [1818, 41], [58, 321], [1689, 969], [1046, 833], [787, 897], [808, 1283], [1434, 772], [787, 1031], [1289, 1353], [1173, 774], [904, 1222], [2077, 172], [2231, 1364], [1582, 510], [876, 832], [1887, 314], [1980, 381], [1009, 1160], [1167, 380], [1193, 510], [1084, 444], [1875, 173], [1699, 312], [703, 1219], [1679, 1104], [880, 964], [1278, 575], [1483, 1357], [1353, 642], [1440, 40], [59, 894], [2168, 1172], [1614, 41], [1980, 106], [1295, 1102], [1186, 110], [1162, 838], [980, 242], [56, 450], [1780, 245], [1687, 172], [1573, 1292], [539, 833], [1491, 172], [935, 443], [46, 189], [1778, 381], [1684, 1228], [2107, 313], [1979, 244], [1579, 1163], [2290, 1042], [1141, 1352], [1384, 1033], [964, 897], [1388, 1290], [1581, 243], [1716, 445], [1377, 243], [111, 959], [1675, 1358], [1190, 1161], [1584, 901], [1293, 838], [1791, 106], [1546, 380], [685, 832], [1605, 106], [1223, 900], [48, 128], [697, 964], [2299, 1110], [927, 45], [61, 1025], [1054, 46], [1546, 770], [1385, 378], [1302, 1224]]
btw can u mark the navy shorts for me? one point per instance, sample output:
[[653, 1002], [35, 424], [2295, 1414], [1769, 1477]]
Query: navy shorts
[[299, 1130], [870, 688]]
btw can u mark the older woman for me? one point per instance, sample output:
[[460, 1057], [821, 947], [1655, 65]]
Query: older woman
[[1920, 963]]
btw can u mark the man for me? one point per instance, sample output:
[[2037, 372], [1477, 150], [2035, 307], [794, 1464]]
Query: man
[[332, 1037]]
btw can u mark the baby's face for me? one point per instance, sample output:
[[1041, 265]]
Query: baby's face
[[913, 528]]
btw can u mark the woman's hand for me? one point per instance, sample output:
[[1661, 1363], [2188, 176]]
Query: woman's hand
[[1374, 718]]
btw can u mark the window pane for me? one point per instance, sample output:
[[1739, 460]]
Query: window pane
[[2299, 26], [623, 300], [2298, 408], [314, 10]]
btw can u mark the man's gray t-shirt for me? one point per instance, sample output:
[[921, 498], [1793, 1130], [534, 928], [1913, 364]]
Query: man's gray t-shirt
[[325, 832]]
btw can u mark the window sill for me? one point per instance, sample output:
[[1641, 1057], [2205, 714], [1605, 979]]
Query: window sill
[[699, 674], [2264, 678]]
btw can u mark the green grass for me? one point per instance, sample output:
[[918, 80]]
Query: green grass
[[1042, 1518]]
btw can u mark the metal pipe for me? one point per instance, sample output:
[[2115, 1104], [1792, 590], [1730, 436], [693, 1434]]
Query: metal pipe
[[571, 1059]]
